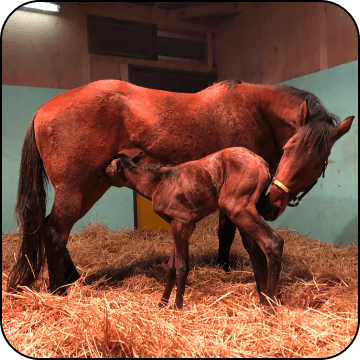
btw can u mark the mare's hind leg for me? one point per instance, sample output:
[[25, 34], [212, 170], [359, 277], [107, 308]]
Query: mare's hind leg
[[95, 192], [226, 234], [64, 213], [258, 262], [70, 272]]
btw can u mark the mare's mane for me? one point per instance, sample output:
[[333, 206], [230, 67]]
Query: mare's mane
[[316, 135], [229, 83]]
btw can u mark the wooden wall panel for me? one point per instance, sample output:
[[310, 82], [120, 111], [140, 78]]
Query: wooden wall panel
[[265, 43], [237, 47], [41, 50], [289, 43], [102, 69], [276, 41], [50, 51], [342, 36]]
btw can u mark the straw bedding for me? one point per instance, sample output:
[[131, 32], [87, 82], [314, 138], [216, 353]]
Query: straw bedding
[[112, 310]]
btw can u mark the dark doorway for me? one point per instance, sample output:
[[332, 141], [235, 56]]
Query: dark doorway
[[169, 80]]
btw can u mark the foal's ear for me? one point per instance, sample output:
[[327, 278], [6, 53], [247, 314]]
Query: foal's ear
[[304, 113], [343, 127], [136, 158], [126, 161]]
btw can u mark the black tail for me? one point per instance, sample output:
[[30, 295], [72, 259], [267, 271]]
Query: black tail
[[30, 214]]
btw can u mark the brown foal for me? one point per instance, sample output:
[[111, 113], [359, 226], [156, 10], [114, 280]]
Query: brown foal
[[231, 179]]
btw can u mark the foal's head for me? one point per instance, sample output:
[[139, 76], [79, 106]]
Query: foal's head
[[124, 170], [115, 171], [304, 160]]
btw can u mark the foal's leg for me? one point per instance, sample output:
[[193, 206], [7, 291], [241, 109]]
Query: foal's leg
[[170, 279], [181, 233], [226, 234], [247, 219], [258, 262]]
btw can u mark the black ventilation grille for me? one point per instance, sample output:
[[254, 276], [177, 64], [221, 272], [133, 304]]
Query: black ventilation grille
[[181, 47], [107, 36], [169, 79]]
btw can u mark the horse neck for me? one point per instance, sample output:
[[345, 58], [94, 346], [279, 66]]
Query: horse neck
[[281, 111], [142, 181]]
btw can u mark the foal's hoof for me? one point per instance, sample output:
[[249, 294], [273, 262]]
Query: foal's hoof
[[163, 303], [269, 310]]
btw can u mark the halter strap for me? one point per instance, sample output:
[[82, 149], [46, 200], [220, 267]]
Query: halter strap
[[296, 200]]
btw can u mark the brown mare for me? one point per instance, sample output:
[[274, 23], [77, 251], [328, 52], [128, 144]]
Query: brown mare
[[74, 136], [232, 180]]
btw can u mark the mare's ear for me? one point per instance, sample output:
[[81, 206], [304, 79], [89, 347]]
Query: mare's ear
[[126, 162], [304, 113], [136, 158], [343, 127]]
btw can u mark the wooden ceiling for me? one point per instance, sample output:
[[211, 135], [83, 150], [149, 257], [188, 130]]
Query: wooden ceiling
[[208, 14]]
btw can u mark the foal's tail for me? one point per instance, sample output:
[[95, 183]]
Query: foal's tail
[[30, 214]]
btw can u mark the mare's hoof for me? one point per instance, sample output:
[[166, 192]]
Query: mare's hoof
[[61, 291], [178, 307]]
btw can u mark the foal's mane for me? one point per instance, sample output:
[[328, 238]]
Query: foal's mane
[[316, 135], [155, 170]]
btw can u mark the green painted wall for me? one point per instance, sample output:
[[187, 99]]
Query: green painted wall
[[115, 208], [330, 211]]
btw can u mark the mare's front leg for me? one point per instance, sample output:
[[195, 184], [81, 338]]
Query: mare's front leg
[[180, 258], [226, 234], [248, 220]]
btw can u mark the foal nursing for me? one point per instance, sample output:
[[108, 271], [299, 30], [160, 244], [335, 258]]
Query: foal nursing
[[232, 180]]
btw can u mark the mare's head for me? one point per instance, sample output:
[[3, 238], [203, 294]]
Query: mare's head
[[304, 160]]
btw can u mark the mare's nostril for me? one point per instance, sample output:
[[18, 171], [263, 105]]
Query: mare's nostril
[[274, 213], [271, 214]]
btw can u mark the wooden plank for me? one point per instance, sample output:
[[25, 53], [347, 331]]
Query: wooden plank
[[209, 52], [207, 10], [289, 40], [323, 45], [342, 36], [237, 47], [124, 72], [83, 43], [102, 70], [166, 64], [145, 14]]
